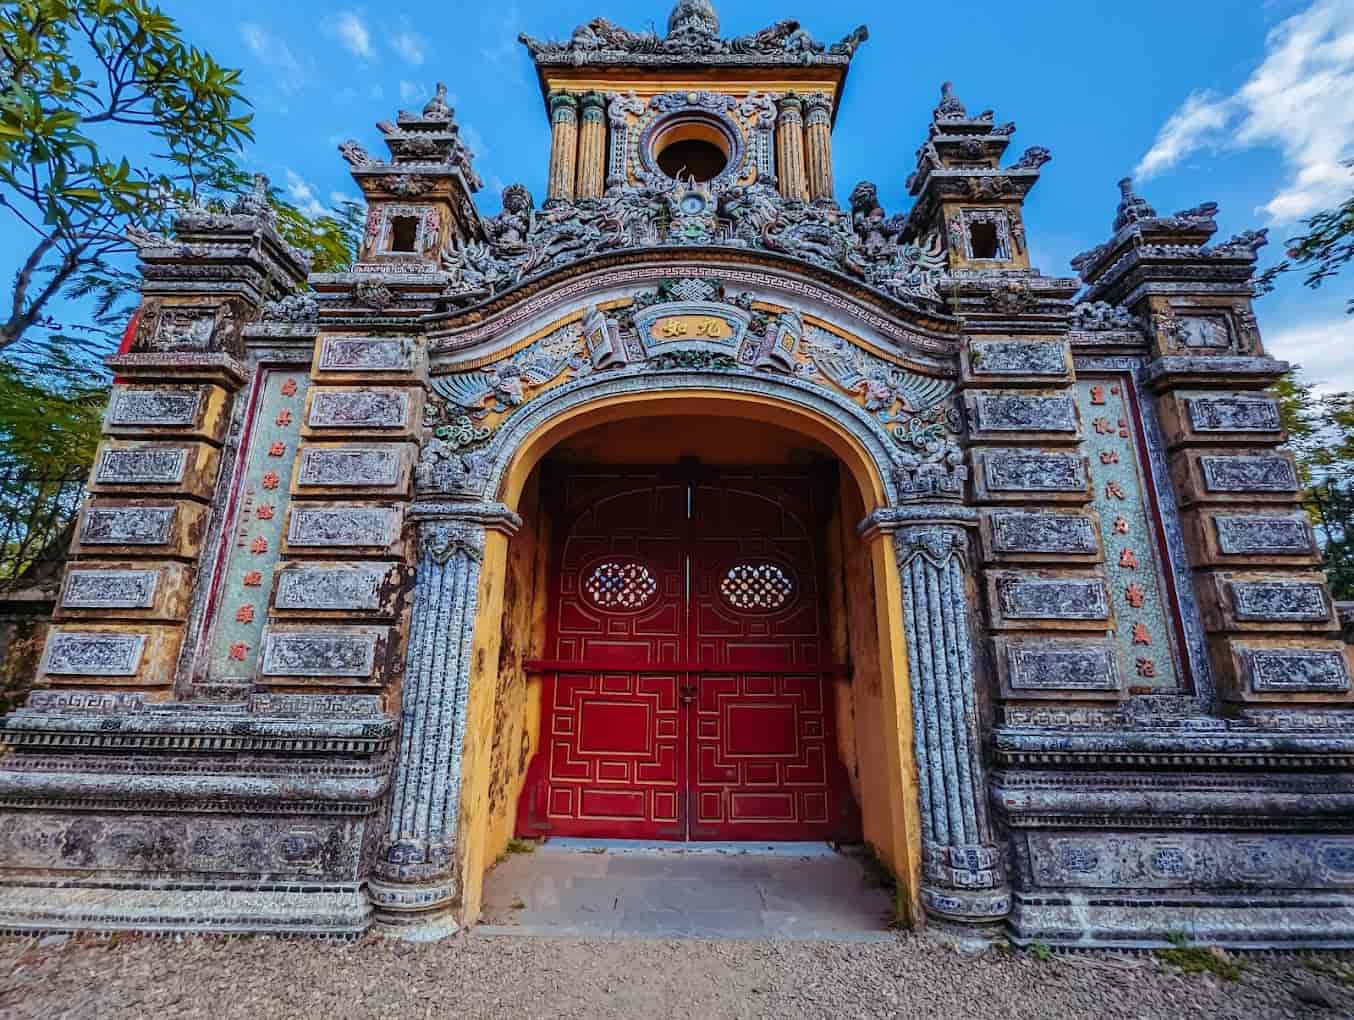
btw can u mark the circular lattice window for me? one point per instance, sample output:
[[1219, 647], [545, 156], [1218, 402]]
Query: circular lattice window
[[620, 584], [756, 586]]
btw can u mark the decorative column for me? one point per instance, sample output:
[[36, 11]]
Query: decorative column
[[790, 148], [563, 146], [818, 147], [416, 881], [963, 871], [591, 146]]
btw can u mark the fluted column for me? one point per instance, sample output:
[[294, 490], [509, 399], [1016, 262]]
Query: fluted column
[[818, 146], [591, 146], [415, 881], [563, 146], [790, 148], [963, 866]]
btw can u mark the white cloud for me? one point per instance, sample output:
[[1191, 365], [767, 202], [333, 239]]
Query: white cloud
[[303, 195], [1300, 100], [505, 52], [270, 50], [412, 91], [352, 33], [1321, 347], [409, 44], [1195, 125]]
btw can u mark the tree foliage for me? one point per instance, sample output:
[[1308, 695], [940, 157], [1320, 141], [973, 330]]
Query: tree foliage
[[1322, 251], [1321, 435], [107, 117]]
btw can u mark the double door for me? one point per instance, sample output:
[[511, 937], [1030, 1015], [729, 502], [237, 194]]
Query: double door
[[688, 689]]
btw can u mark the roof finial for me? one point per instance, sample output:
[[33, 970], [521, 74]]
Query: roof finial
[[949, 108], [1132, 206], [694, 16], [437, 108]]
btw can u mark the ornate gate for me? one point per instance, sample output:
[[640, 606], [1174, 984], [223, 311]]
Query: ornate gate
[[689, 690]]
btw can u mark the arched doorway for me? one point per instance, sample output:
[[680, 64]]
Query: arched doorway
[[869, 786], [689, 684]]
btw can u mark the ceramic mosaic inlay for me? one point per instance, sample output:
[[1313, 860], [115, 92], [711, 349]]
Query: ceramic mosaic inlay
[[257, 536], [1143, 622]]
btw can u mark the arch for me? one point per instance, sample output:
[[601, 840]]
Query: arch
[[858, 440], [890, 799]]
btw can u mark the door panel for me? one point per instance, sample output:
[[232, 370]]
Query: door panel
[[718, 578]]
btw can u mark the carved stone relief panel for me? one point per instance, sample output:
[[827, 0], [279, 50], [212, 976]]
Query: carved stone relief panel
[[1275, 669], [93, 653], [364, 588], [357, 359], [1017, 358], [155, 406], [354, 466], [1047, 599], [339, 654], [1060, 668], [1017, 473], [351, 410], [112, 589], [321, 528], [139, 528], [1039, 536], [1001, 414]]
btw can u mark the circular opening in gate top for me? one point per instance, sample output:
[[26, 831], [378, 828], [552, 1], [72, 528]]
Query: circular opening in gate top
[[692, 149]]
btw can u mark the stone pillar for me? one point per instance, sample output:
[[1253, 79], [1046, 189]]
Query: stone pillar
[[963, 870], [591, 146], [563, 147], [790, 148], [416, 882], [818, 147]]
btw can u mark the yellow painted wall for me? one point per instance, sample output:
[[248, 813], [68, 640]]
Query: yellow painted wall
[[517, 710]]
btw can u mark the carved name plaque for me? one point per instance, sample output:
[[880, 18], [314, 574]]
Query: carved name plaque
[[112, 589], [1025, 470], [1296, 671], [339, 527], [1018, 357], [355, 467], [1018, 412], [370, 409], [154, 407], [1248, 474], [1234, 414], [370, 354], [127, 525], [1289, 534], [1061, 666], [92, 654], [1016, 531], [347, 588], [348, 653], [1038, 598], [153, 465], [1279, 600]]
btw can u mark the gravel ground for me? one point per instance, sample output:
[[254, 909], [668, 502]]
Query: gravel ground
[[483, 976]]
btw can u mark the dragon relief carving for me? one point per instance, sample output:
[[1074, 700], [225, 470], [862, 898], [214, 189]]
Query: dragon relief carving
[[650, 335], [523, 241]]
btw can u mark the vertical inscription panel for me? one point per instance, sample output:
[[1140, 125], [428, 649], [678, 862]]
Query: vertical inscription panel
[[1144, 622], [259, 515]]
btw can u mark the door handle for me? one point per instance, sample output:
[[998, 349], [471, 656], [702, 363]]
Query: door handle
[[687, 693]]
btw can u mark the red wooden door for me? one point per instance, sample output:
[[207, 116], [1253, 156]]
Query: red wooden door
[[686, 693]]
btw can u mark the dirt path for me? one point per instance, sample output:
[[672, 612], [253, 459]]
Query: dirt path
[[481, 976]]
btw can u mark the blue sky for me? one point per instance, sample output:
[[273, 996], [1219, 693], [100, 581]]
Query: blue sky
[[1246, 102]]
